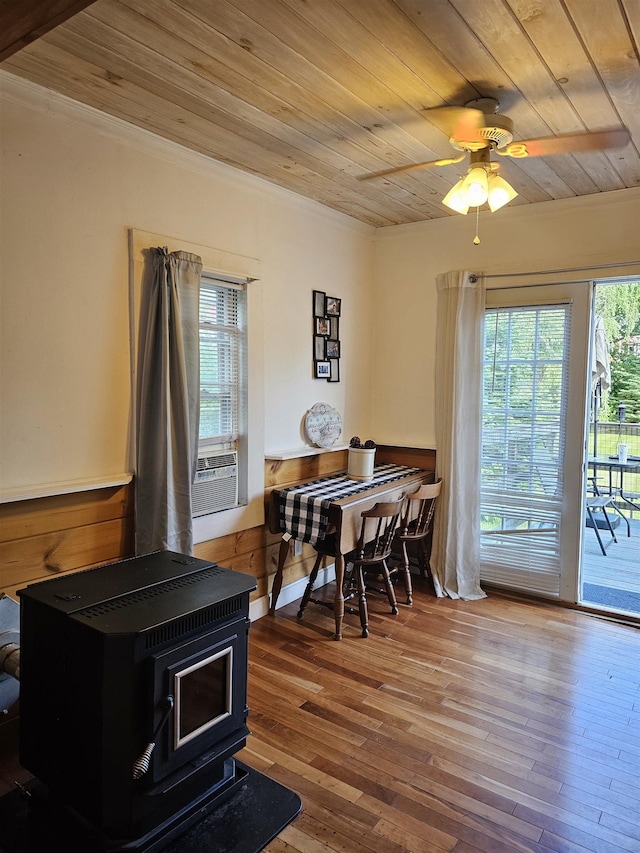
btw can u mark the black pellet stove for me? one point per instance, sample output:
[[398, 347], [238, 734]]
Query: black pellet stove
[[133, 695]]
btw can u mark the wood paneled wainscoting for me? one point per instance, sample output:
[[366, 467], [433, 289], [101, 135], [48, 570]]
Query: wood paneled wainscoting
[[44, 537]]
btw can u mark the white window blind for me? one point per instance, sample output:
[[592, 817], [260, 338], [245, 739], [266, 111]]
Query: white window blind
[[524, 413], [222, 344]]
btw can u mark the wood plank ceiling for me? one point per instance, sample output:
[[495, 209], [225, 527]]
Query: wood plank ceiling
[[314, 94]]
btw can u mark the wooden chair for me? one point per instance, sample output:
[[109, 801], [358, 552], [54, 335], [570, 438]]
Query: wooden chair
[[377, 529], [413, 532], [374, 547]]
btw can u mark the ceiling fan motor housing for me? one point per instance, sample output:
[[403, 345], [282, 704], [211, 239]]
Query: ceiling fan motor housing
[[496, 131]]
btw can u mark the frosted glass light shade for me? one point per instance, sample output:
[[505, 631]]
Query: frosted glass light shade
[[476, 186], [456, 199], [500, 193]]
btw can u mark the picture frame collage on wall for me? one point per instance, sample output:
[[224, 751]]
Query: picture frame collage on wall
[[326, 336]]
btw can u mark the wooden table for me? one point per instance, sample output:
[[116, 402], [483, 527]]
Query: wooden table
[[344, 519]]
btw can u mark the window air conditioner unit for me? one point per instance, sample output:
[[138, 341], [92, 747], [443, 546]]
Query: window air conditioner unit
[[216, 484]]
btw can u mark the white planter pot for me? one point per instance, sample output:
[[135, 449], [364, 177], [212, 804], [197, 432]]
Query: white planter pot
[[361, 462]]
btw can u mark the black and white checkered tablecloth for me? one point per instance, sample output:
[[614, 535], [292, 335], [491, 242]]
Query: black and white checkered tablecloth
[[304, 509]]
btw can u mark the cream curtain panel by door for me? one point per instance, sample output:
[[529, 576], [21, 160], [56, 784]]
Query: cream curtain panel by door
[[455, 557], [168, 401]]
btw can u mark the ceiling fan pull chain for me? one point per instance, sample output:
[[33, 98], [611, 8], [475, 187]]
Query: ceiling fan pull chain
[[476, 239]]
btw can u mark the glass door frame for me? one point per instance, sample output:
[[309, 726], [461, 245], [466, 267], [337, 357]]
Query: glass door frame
[[580, 295]]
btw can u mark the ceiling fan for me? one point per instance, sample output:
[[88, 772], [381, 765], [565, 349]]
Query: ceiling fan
[[478, 129]]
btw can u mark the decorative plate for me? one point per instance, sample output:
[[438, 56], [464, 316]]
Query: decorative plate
[[323, 425]]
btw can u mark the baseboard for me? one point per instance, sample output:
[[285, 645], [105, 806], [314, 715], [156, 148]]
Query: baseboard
[[291, 592]]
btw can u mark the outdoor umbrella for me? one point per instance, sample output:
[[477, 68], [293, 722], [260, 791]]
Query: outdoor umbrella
[[600, 373]]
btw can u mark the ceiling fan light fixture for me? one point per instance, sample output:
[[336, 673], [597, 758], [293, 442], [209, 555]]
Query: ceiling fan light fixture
[[500, 192], [481, 184], [456, 198]]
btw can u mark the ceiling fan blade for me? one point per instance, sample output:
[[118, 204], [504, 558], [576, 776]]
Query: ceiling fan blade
[[459, 122], [568, 143], [447, 161]]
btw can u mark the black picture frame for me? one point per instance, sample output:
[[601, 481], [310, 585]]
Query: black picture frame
[[322, 369], [326, 336], [334, 328], [332, 349], [319, 343], [322, 326], [319, 303], [333, 305]]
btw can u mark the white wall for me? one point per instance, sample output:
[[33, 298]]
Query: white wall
[[589, 232], [72, 183]]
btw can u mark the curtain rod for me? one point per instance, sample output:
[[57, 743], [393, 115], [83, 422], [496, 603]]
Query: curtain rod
[[566, 269]]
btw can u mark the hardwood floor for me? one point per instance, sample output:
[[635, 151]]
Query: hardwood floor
[[493, 726]]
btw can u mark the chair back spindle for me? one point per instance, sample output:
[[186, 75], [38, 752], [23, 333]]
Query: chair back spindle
[[377, 529]]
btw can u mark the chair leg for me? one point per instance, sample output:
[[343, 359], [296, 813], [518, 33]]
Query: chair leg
[[309, 588], [622, 516], [362, 602], [423, 561], [388, 585], [597, 531], [609, 525], [406, 574]]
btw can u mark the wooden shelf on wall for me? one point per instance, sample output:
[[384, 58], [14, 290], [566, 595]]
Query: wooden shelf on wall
[[299, 452]]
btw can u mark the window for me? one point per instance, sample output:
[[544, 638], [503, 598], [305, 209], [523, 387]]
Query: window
[[523, 445], [222, 361], [222, 435]]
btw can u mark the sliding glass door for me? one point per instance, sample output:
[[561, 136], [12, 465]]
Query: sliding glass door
[[533, 433]]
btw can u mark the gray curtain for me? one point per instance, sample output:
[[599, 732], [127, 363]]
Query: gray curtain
[[455, 555], [168, 401]]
